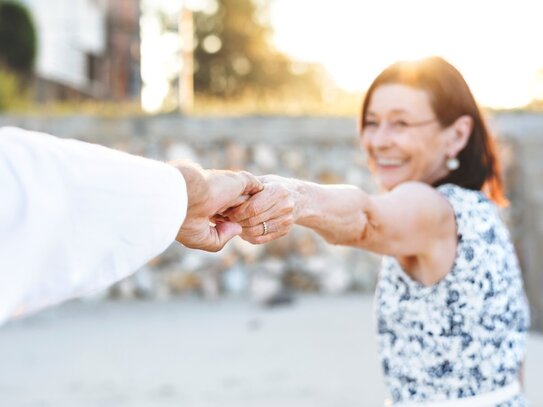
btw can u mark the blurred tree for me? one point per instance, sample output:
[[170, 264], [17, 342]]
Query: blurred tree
[[17, 54], [12, 95], [18, 41], [233, 54]]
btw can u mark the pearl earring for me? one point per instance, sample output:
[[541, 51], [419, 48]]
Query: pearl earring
[[453, 163]]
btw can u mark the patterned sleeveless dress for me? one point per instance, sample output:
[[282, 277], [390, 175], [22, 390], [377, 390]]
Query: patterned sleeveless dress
[[465, 335]]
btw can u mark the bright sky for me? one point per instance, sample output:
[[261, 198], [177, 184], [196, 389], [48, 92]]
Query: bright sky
[[497, 45]]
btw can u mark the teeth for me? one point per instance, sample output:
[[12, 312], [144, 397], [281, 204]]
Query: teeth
[[389, 161]]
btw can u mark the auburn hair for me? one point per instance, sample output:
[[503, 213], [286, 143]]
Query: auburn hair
[[450, 98]]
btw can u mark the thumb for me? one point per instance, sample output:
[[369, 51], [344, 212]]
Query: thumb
[[224, 232], [252, 184]]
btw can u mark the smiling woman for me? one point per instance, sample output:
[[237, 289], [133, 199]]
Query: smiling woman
[[398, 134], [416, 95], [451, 312]]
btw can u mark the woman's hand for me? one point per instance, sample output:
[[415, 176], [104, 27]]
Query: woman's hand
[[276, 206]]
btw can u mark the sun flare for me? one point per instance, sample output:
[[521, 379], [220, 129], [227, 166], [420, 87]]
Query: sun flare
[[494, 44]]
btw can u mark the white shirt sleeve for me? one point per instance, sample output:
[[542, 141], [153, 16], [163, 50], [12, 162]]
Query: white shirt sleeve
[[76, 217]]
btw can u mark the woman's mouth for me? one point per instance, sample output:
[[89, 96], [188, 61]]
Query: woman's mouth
[[389, 163]]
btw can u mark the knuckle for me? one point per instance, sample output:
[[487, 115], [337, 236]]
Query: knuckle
[[233, 218], [251, 232], [291, 204], [254, 221], [232, 214], [286, 210], [251, 211]]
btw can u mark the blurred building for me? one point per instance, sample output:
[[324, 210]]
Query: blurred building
[[87, 49]]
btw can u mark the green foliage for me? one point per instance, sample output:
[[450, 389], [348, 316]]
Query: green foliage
[[12, 97], [233, 55], [18, 41]]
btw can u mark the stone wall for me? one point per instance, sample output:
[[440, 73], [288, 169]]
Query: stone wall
[[324, 150], [523, 136], [319, 149]]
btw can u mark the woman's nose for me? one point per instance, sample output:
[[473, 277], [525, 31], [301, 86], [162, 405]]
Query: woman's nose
[[381, 136]]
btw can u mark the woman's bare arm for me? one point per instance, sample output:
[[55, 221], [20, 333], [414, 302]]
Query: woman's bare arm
[[406, 221]]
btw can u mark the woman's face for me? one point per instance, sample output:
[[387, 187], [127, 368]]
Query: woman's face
[[402, 137]]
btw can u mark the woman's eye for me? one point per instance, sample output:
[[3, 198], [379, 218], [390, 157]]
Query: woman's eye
[[371, 123], [400, 124]]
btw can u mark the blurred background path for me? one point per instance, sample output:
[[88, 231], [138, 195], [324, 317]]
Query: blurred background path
[[317, 352]]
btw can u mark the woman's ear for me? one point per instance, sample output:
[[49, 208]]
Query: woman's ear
[[460, 132]]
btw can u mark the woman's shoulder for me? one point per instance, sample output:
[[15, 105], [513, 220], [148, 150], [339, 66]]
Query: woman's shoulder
[[461, 193], [472, 208], [463, 199]]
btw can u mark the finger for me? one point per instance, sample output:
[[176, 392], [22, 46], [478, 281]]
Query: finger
[[221, 234], [265, 179], [240, 183], [256, 205], [226, 231], [276, 211], [218, 218], [227, 188], [273, 196], [252, 183], [281, 223], [264, 239], [234, 203]]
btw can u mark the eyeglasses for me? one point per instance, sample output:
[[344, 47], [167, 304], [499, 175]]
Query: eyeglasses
[[396, 126]]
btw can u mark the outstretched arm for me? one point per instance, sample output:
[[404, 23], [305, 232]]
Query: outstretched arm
[[406, 221]]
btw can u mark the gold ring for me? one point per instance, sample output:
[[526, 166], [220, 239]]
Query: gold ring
[[265, 228]]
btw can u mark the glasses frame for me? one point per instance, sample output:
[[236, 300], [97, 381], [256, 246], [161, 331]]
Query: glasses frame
[[400, 126]]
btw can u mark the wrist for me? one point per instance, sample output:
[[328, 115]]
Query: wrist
[[196, 183], [303, 202]]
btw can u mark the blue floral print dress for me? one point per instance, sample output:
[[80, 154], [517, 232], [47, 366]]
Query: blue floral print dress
[[466, 334]]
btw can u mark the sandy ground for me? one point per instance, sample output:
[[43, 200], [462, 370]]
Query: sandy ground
[[318, 352]]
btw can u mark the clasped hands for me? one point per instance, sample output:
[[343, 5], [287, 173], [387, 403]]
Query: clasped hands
[[223, 204]]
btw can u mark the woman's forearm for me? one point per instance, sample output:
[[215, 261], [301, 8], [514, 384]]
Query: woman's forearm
[[337, 212]]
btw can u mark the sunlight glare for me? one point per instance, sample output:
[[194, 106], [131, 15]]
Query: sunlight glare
[[494, 44]]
